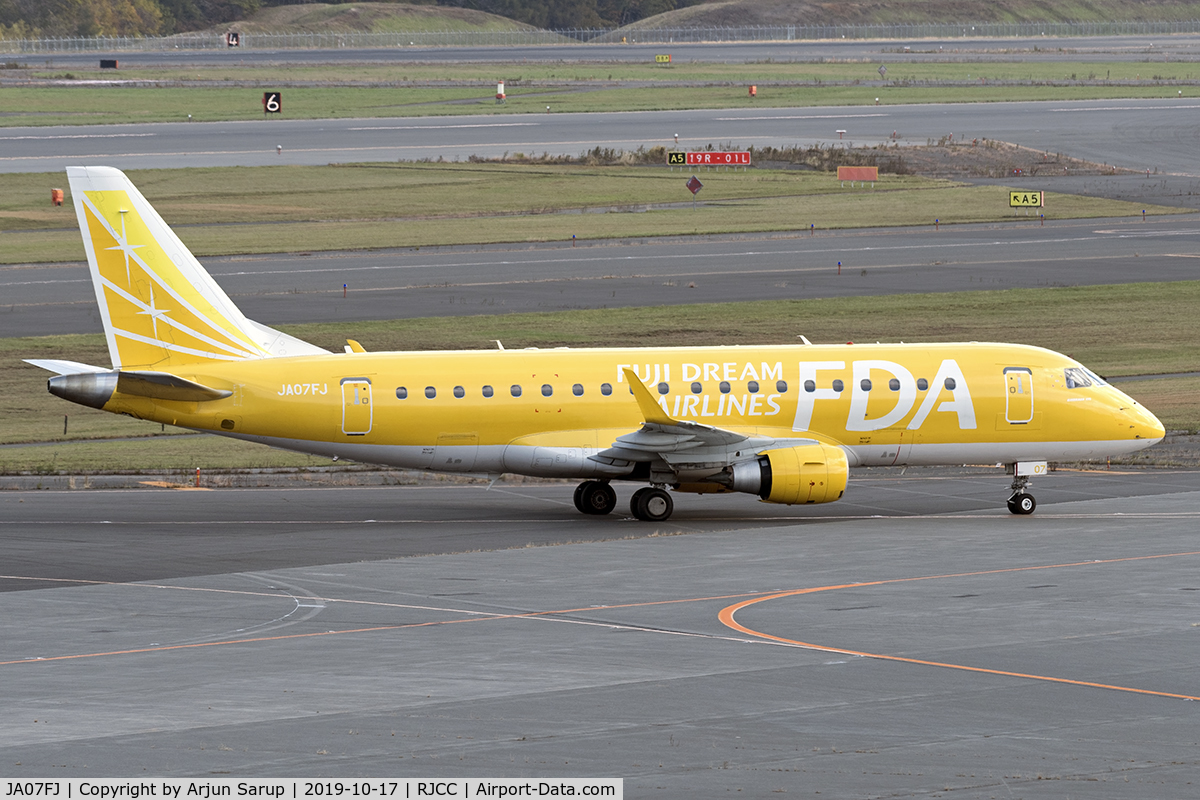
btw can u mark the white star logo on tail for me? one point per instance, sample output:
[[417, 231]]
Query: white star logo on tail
[[153, 313], [125, 247]]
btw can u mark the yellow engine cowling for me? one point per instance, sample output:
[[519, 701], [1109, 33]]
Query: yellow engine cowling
[[811, 473]]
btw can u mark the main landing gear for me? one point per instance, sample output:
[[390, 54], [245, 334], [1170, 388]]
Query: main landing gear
[[650, 504], [1020, 502], [595, 497]]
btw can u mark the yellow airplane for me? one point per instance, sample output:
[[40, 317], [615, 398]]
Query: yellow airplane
[[783, 422]]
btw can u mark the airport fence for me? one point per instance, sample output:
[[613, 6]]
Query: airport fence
[[583, 36]]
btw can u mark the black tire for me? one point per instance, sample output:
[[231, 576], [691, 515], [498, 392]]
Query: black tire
[[651, 505], [1022, 504], [595, 497]]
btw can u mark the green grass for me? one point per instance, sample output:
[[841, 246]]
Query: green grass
[[72, 105], [374, 17], [160, 454], [1091, 323], [414, 205], [774, 12], [1173, 400]]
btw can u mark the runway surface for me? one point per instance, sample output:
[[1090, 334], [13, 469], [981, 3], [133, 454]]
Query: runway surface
[[52, 299], [916, 640], [890, 51], [1138, 134]]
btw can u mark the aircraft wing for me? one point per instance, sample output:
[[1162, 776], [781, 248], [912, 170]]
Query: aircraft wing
[[690, 450]]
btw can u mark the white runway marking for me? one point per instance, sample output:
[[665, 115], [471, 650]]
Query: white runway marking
[[79, 136], [445, 127]]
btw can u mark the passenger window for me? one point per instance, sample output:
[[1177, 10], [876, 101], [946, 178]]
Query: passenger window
[[606, 389], [724, 387], [950, 384], [838, 386], [458, 391], [922, 384], [752, 387], [663, 388], [811, 385], [547, 390], [697, 388], [781, 387], [894, 385], [430, 392], [401, 392], [865, 383], [488, 391], [516, 390], [577, 390]]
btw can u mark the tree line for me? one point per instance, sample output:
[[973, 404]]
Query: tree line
[[42, 18]]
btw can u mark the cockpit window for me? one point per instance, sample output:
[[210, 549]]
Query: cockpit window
[[1078, 377]]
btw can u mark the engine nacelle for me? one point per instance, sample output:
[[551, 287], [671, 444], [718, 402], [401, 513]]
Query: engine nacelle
[[811, 473]]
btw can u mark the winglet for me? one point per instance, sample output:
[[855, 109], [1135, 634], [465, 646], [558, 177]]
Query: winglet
[[651, 410]]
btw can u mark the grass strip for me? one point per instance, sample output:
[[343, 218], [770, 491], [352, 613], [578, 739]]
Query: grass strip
[[248, 210], [120, 104], [182, 454]]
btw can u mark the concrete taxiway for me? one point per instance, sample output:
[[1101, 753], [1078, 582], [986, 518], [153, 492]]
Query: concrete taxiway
[[456, 281], [916, 640]]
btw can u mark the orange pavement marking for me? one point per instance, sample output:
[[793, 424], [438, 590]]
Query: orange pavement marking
[[478, 616], [726, 617]]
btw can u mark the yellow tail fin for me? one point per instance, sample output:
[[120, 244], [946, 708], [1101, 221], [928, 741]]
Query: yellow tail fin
[[160, 308]]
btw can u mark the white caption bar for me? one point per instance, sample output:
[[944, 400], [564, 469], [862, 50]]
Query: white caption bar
[[300, 789]]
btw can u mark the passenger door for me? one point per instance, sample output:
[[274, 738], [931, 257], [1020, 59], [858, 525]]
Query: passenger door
[[357, 413], [1018, 396]]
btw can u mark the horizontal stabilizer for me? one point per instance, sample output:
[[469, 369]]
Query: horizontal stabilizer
[[60, 367]]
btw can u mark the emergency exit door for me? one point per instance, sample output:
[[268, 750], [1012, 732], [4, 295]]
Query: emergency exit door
[[1018, 397], [356, 406]]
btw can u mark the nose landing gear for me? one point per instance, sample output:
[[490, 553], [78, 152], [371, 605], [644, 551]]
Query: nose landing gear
[[1020, 502], [595, 497]]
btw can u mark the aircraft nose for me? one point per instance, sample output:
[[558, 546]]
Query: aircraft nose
[[1158, 431], [1144, 425]]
